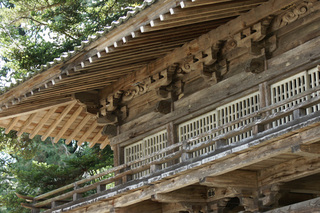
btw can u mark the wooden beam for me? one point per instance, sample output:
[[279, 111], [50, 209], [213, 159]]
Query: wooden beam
[[78, 128], [96, 138], [11, 125], [302, 207], [105, 143], [58, 120], [188, 4], [173, 207], [289, 171], [201, 43], [238, 178], [42, 105], [87, 133], [68, 124], [272, 148], [42, 122], [26, 124], [194, 194]]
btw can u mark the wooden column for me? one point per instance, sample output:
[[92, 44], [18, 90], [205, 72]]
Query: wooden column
[[172, 138]]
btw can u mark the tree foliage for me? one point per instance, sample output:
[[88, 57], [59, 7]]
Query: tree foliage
[[32, 33]]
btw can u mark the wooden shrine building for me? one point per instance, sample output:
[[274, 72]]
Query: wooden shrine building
[[210, 106]]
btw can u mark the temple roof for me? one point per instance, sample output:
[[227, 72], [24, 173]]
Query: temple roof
[[60, 100]]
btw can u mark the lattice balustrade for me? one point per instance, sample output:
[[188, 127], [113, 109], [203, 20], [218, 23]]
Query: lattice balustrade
[[197, 126], [285, 89], [235, 110], [314, 81], [145, 147]]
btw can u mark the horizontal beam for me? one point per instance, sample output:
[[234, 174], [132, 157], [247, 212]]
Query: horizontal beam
[[302, 207], [203, 42], [289, 171], [243, 179], [271, 149]]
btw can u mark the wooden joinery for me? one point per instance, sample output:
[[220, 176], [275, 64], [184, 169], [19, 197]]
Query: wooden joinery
[[68, 124], [11, 125], [78, 128], [87, 133], [58, 120], [26, 124], [42, 122]]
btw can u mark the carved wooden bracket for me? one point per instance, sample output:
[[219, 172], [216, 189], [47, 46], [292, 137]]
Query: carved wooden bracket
[[294, 13], [269, 195]]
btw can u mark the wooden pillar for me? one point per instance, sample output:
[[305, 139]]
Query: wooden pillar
[[265, 100], [76, 196], [172, 138]]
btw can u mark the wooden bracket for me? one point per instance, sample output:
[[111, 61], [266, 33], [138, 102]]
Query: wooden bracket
[[255, 65]]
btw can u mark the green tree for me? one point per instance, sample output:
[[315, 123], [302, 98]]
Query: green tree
[[32, 33]]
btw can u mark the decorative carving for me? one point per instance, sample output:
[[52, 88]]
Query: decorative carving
[[163, 107], [205, 64], [295, 13], [110, 130], [157, 81], [255, 65]]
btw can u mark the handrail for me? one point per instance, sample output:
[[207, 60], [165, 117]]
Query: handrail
[[184, 147]]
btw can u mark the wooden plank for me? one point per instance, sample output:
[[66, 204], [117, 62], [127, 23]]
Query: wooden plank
[[42, 122], [67, 125], [40, 105], [87, 133], [105, 143], [58, 120], [26, 124], [11, 125], [78, 128], [202, 42], [96, 138], [302, 207], [275, 148], [189, 4], [202, 101], [238, 178], [289, 171]]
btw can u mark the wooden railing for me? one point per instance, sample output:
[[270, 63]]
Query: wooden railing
[[178, 152]]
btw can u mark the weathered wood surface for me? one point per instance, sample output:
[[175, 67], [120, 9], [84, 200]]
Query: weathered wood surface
[[302, 207], [218, 168], [297, 59]]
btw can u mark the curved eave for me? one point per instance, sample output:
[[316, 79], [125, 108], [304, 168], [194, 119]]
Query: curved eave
[[149, 35]]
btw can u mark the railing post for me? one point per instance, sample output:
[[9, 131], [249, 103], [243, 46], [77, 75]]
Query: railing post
[[221, 143], [265, 100], [258, 127], [35, 210], [185, 153], [127, 177], [299, 113], [101, 188], [155, 167], [76, 196], [172, 138]]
